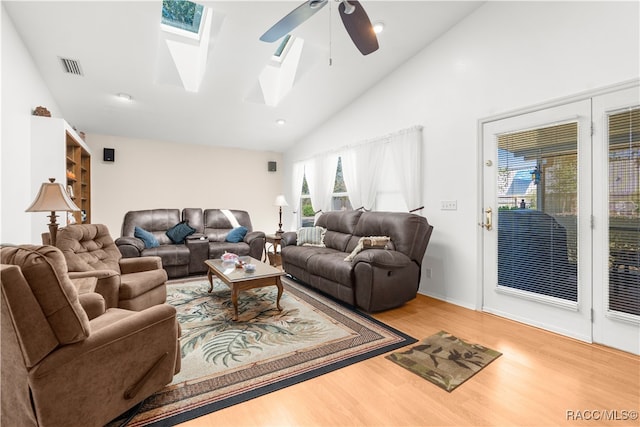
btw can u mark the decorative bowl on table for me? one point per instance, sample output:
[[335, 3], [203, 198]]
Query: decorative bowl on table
[[229, 257], [249, 268]]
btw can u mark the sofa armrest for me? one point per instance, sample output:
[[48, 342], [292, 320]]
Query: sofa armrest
[[116, 325], [383, 258], [252, 235], [130, 246], [198, 253], [99, 274], [196, 236], [135, 265], [93, 304], [108, 283], [289, 238], [255, 240]]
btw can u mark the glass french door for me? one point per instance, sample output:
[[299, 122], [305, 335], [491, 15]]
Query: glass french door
[[616, 296], [561, 218], [537, 218]]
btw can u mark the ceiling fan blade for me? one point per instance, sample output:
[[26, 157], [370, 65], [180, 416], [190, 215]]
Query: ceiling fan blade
[[296, 17], [359, 27]]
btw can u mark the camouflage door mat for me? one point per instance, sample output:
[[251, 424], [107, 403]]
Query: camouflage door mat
[[226, 362], [445, 360]]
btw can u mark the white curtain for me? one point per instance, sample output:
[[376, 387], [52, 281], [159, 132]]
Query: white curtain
[[361, 166], [321, 174], [406, 152]]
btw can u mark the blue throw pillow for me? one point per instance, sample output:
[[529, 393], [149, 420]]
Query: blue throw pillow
[[237, 234], [149, 239], [179, 232]]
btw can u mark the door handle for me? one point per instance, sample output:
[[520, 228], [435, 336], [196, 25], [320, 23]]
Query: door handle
[[487, 219]]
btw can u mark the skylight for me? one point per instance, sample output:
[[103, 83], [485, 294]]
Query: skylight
[[187, 32], [278, 76], [280, 50], [182, 15]]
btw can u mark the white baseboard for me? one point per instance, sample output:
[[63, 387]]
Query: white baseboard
[[449, 300]]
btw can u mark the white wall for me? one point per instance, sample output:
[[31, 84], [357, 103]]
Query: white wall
[[155, 174], [23, 89], [146, 174], [505, 56]]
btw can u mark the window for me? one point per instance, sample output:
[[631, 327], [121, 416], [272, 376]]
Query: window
[[279, 54], [381, 174], [538, 210], [307, 214], [624, 212], [339, 198], [279, 75], [187, 33], [182, 17]]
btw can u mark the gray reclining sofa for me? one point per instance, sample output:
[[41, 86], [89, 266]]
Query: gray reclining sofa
[[374, 279], [207, 241]]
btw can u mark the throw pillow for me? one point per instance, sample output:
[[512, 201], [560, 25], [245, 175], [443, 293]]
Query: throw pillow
[[237, 234], [147, 238], [311, 236], [179, 232], [375, 242], [370, 242]]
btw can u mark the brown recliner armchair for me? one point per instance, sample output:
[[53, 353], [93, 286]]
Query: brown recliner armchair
[[129, 283], [61, 369]]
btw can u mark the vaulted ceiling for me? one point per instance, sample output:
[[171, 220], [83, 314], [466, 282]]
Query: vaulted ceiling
[[121, 49]]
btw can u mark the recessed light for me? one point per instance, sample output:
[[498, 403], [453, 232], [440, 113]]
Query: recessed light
[[281, 122], [125, 97], [378, 27]]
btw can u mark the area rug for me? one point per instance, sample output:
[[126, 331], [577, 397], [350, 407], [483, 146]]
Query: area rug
[[226, 362], [445, 360]]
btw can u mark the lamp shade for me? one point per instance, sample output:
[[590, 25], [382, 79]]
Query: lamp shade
[[281, 201], [52, 197]]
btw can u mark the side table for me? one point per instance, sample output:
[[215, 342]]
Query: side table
[[274, 241]]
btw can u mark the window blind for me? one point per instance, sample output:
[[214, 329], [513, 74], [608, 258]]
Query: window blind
[[537, 211], [624, 215]]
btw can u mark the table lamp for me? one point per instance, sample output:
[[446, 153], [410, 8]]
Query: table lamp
[[51, 198], [280, 202]]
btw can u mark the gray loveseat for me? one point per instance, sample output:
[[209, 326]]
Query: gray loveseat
[[208, 241], [374, 279]]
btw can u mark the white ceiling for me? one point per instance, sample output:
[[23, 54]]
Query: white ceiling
[[117, 45]]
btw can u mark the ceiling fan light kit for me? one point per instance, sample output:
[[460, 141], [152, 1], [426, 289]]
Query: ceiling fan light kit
[[348, 7], [354, 18], [125, 97]]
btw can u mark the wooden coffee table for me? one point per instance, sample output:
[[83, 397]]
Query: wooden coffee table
[[238, 280]]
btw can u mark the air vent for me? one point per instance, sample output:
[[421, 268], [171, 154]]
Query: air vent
[[71, 66]]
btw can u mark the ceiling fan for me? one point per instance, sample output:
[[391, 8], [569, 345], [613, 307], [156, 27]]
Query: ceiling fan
[[353, 15]]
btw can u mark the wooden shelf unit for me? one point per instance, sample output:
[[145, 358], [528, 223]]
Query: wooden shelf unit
[[57, 148], [79, 177]]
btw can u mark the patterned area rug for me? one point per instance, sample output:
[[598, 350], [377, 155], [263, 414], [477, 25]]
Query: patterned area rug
[[226, 362], [445, 360]]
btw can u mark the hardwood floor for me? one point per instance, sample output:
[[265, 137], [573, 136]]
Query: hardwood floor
[[542, 379]]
